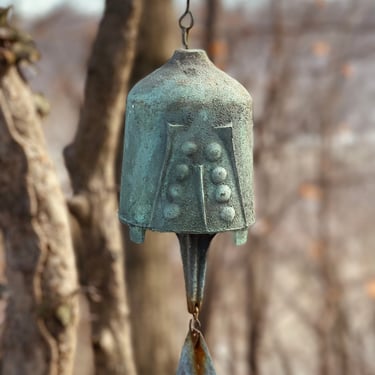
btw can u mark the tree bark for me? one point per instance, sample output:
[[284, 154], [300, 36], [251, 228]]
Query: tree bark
[[90, 160], [40, 330]]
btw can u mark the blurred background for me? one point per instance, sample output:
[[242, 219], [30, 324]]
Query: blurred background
[[299, 298]]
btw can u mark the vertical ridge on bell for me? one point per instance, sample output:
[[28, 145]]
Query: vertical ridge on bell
[[201, 194], [194, 249]]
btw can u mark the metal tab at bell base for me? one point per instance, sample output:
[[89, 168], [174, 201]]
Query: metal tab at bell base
[[195, 358]]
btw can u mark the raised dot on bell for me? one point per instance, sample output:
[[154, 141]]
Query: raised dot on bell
[[219, 175], [171, 211], [223, 193], [213, 151], [227, 214], [174, 191], [189, 148], [182, 172]]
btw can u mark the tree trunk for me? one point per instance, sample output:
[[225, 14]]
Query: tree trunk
[[40, 331], [155, 303], [90, 160], [158, 36]]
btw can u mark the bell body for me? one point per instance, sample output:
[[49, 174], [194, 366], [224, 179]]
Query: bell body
[[187, 164]]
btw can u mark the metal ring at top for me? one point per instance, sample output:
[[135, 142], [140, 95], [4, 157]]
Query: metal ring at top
[[195, 325], [186, 29]]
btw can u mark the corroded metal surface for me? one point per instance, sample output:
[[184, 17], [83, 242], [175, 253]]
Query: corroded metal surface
[[194, 249], [187, 165], [188, 169], [195, 358]]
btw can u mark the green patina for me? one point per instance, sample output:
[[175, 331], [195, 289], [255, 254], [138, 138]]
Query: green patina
[[187, 165]]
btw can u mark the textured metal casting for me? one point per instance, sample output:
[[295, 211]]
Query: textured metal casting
[[195, 358], [187, 165], [194, 249], [188, 168]]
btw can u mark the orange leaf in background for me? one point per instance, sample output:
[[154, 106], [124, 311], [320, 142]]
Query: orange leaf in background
[[261, 227], [310, 191], [320, 3], [315, 250], [218, 48], [321, 48], [347, 70], [370, 288], [343, 128]]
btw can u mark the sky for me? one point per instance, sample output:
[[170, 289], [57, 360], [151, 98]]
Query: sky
[[34, 8]]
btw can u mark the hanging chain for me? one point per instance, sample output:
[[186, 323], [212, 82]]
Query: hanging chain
[[186, 29]]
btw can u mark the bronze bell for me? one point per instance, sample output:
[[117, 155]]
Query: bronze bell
[[188, 168], [187, 165]]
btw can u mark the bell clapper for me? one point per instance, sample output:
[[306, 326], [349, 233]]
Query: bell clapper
[[194, 248], [195, 356]]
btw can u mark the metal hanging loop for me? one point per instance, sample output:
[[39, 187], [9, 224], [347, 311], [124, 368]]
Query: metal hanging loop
[[195, 324], [187, 15]]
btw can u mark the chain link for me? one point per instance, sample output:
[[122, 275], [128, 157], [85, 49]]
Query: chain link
[[187, 15]]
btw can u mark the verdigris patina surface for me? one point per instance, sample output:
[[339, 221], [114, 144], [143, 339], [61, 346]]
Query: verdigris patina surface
[[188, 169], [187, 165]]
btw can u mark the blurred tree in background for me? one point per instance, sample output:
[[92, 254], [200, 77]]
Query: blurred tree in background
[[40, 328], [297, 299]]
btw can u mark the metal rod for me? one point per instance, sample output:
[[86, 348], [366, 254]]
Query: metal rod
[[194, 249]]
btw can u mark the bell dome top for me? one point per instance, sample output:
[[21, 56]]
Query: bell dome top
[[189, 73]]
